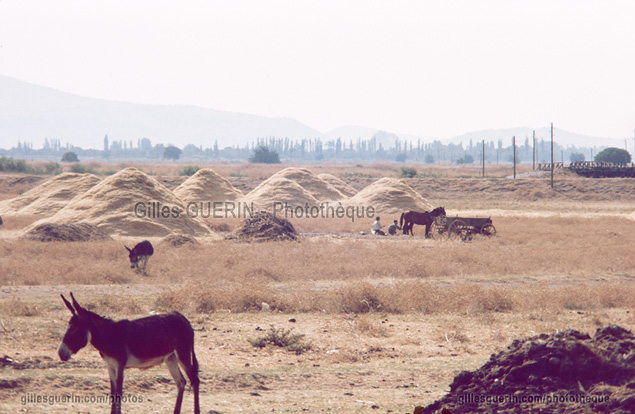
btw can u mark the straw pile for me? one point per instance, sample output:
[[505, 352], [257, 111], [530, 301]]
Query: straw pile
[[179, 240], [80, 232], [130, 203], [207, 186], [263, 227], [389, 196], [314, 185], [279, 190], [338, 184], [51, 196], [294, 186]]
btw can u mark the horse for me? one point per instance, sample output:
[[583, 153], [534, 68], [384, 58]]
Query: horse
[[139, 255], [410, 218], [139, 343]]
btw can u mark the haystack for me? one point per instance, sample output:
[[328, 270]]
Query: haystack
[[51, 196], [266, 227], [80, 232], [130, 203], [564, 372], [273, 193], [314, 185], [338, 184], [389, 196], [179, 240], [206, 186]]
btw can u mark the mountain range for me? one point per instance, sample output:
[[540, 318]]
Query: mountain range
[[31, 113]]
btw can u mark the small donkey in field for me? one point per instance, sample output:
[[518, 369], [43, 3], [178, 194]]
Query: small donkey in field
[[139, 343], [139, 255]]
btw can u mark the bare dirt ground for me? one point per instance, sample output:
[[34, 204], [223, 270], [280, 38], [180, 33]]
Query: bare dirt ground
[[367, 363], [379, 361]]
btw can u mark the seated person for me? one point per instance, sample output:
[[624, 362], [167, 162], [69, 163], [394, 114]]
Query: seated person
[[376, 227], [392, 229]]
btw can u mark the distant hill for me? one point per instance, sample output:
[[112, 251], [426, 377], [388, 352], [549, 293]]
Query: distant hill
[[349, 132], [386, 138], [30, 113], [564, 138]]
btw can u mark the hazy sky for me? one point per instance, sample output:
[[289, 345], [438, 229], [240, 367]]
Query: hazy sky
[[431, 68]]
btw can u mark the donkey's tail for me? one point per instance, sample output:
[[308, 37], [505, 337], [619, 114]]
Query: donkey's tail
[[194, 360], [401, 219]]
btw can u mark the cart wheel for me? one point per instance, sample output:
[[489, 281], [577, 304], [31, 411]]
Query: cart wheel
[[436, 230], [488, 230], [458, 230]]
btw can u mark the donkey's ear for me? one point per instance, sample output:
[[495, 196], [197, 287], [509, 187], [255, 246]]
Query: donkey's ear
[[76, 305], [68, 305], [127, 248]]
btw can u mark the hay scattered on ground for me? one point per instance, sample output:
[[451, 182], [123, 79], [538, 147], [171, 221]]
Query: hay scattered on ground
[[338, 184], [389, 196], [80, 232], [179, 240], [588, 374], [266, 227], [51, 196], [207, 186], [130, 203]]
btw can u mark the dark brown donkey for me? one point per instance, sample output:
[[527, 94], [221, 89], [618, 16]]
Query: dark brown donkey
[[140, 343]]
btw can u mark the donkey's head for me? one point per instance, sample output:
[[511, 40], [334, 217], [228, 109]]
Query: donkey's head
[[133, 256], [77, 334]]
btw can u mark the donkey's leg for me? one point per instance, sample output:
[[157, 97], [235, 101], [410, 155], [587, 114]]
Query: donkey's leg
[[173, 366], [187, 359], [191, 369], [115, 371]]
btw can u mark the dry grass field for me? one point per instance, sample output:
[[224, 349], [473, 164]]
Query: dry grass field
[[375, 324]]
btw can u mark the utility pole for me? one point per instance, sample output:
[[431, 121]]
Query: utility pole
[[514, 148], [533, 167], [552, 155], [483, 158]]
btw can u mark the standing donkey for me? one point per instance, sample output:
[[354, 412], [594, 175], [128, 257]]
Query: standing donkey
[[139, 343], [139, 255]]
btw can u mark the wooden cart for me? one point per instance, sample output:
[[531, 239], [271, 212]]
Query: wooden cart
[[463, 228]]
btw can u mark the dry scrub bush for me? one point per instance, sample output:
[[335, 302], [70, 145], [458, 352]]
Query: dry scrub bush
[[362, 275], [424, 297], [244, 297], [119, 305], [370, 326], [17, 307], [364, 297], [522, 247], [282, 338], [59, 263]]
